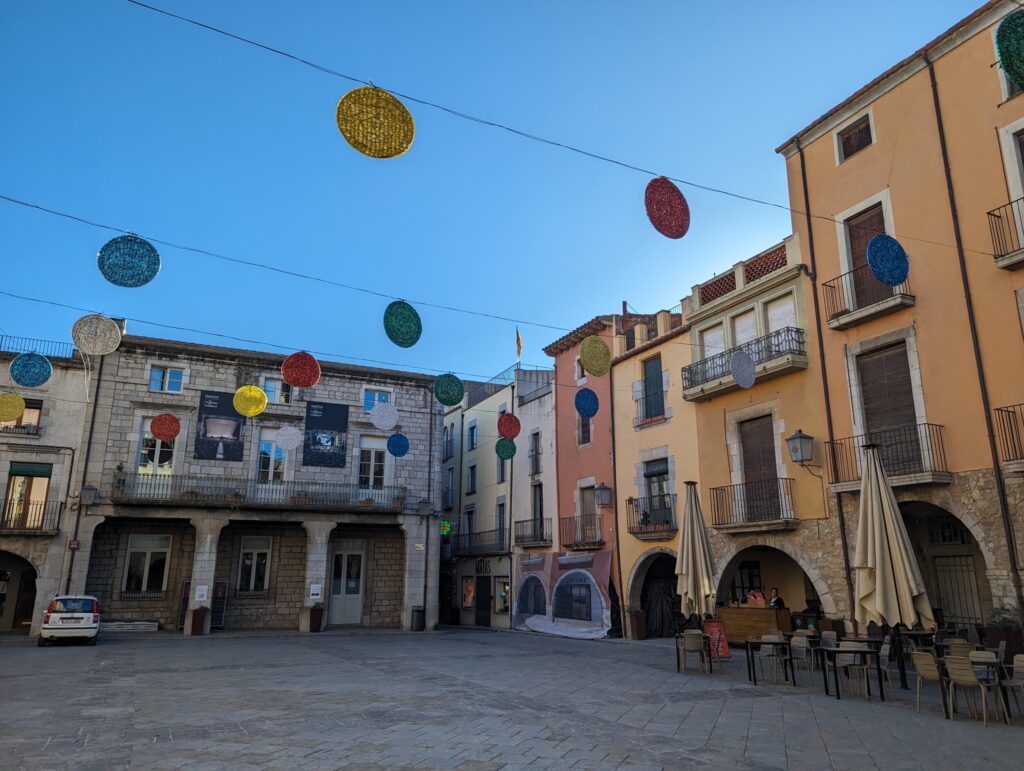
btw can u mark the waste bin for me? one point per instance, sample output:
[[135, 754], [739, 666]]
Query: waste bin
[[419, 622], [199, 621]]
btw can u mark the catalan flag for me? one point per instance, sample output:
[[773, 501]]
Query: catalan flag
[[519, 345]]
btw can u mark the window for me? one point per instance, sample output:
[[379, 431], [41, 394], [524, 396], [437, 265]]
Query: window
[[502, 470], [537, 491], [744, 328], [583, 430], [746, 579], [448, 450], [652, 329], [499, 517], [449, 487], [371, 465], [372, 398], [155, 455], [860, 229], [535, 452], [471, 436], [254, 564], [780, 313], [146, 566], [654, 396], [166, 379], [854, 137], [588, 502], [467, 520], [890, 415], [27, 487], [27, 422], [501, 594], [581, 374], [656, 477], [712, 341], [761, 500], [471, 479], [573, 598], [278, 391], [272, 459], [631, 339]]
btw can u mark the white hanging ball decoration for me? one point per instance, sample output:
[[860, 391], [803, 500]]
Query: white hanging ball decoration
[[743, 370], [96, 335], [288, 438], [384, 416]]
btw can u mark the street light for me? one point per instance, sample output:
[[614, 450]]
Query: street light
[[88, 496], [603, 495], [801, 447]]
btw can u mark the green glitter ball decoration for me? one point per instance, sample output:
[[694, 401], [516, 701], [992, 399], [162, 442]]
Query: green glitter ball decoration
[[402, 324], [505, 448], [1010, 45], [449, 390]]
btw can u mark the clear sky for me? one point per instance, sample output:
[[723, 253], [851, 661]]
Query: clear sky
[[122, 116]]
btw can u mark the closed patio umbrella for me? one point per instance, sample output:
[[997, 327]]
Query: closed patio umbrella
[[694, 566]]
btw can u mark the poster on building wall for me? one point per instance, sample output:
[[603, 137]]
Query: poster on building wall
[[468, 593], [219, 429], [326, 435]]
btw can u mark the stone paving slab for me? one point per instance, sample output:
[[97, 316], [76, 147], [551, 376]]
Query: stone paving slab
[[459, 698]]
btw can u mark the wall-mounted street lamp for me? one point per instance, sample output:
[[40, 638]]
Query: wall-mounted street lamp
[[603, 495], [801, 447]]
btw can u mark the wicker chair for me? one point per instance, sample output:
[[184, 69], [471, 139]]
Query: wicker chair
[[927, 669], [961, 674]]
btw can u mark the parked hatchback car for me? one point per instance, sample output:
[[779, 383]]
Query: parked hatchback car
[[71, 616]]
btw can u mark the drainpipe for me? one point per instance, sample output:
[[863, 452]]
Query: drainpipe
[[85, 470], [510, 510], [812, 274], [427, 519], [1004, 509], [623, 592]]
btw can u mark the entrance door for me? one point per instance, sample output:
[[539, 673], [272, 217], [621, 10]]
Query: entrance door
[[483, 600], [889, 414], [760, 499], [347, 583], [26, 599]]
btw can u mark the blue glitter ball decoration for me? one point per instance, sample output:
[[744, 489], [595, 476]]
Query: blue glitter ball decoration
[[887, 259], [586, 403], [30, 370], [128, 261], [398, 445]]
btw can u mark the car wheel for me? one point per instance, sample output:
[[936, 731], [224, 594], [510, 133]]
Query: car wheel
[[41, 642], [92, 640]]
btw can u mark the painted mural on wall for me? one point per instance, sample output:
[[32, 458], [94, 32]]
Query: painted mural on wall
[[564, 594], [219, 428], [326, 435]]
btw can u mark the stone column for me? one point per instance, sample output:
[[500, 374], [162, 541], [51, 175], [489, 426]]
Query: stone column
[[433, 567], [318, 555], [415, 567], [204, 566], [86, 529]]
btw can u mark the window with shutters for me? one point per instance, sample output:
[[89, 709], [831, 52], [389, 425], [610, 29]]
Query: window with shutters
[[860, 229], [760, 491], [744, 328], [854, 138], [712, 340], [780, 313], [890, 417], [584, 427], [654, 396]]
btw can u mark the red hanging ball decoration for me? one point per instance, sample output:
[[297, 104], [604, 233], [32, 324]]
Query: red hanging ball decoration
[[300, 370], [508, 426], [667, 208], [165, 427]]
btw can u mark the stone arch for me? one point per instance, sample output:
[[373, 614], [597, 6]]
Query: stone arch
[[736, 548], [16, 549], [966, 518], [599, 609], [529, 580], [639, 572], [23, 596]]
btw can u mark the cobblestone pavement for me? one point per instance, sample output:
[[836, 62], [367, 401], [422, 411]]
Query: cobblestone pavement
[[453, 699]]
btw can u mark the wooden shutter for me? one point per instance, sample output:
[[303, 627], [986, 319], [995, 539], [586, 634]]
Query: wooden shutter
[[781, 313], [867, 290], [744, 328], [654, 402], [759, 499], [885, 388], [856, 137]]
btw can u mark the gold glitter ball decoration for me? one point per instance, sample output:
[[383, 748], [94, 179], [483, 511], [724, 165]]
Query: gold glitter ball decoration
[[249, 401], [595, 356], [375, 123], [11, 406]]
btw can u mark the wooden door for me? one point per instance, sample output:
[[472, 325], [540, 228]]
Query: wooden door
[[890, 418], [861, 228], [760, 475], [483, 601]]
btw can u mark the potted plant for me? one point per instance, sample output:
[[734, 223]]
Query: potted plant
[[191, 495], [1004, 626], [367, 502], [300, 498], [235, 496], [316, 616]]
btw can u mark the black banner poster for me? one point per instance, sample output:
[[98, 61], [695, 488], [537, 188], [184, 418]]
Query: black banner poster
[[219, 428], [326, 434]]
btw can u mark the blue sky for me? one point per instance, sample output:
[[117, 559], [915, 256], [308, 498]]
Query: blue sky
[[126, 117]]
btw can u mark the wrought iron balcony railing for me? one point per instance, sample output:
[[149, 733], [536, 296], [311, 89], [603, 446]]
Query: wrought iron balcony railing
[[904, 450], [650, 409], [1010, 431], [781, 342], [533, 532], [49, 348], [157, 489], [1006, 224], [858, 289], [478, 544], [751, 502], [581, 532], [652, 515], [20, 516], [26, 430]]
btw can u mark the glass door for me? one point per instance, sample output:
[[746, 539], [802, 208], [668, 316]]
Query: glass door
[[346, 602], [270, 469]]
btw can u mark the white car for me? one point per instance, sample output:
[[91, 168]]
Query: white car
[[71, 616]]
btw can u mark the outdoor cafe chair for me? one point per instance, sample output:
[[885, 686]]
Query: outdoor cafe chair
[[829, 639], [962, 674], [1014, 679], [693, 642], [770, 656], [883, 657], [960, 648], [927, 669], [802, 653], [856, 669], [984, 663]]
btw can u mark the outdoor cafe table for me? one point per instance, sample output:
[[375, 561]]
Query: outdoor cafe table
[[787, 662], [831, 653]]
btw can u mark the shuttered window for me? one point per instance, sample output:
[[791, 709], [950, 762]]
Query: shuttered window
[[713, 340], [854, 138], [759, 497], [885, 388], [654, 400], [781, 313], [860, 229], [744, 327]]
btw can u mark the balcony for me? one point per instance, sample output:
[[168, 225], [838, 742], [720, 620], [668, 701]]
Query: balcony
[[1006, 225], [910, 454], [650, 410], [652, 518], [484, 543], [754, 506], [774, 354], [858, 296], [26, 430], [225, 492], [51, 349], [1010, 433], [533, 532], [581, 532], [31, 517]]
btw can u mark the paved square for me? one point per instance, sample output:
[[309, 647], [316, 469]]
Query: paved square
[[452, 699]]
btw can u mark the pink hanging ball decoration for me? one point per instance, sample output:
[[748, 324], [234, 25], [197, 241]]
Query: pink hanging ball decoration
[[667, 208], [508, 426], [300, 370], [165, 427]]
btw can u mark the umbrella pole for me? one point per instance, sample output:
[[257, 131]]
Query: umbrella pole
[[896, 640]]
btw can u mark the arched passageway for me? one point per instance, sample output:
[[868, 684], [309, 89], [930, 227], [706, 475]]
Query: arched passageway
[[661, 606], [759, 569], [531, 600], [17, 592]]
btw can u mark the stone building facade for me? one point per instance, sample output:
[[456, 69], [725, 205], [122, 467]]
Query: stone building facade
[[233, 518]]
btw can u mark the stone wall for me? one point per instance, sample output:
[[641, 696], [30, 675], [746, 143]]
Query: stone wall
[[385, 573], [107, 570]]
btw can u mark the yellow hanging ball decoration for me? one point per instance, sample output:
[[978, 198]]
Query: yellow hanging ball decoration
[[375, 123], [249, 401], [595, 356], [11, 406]]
